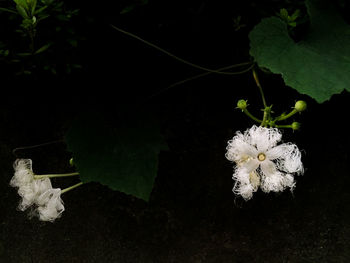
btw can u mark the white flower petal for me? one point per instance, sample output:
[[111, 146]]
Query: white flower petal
[[241, 176], [42, 185], [50, 205], [31, 191], [268, 168], [288, 158], [28, 195], [23, 172], [272, 179], [289, 181], [245, 190], [264, 138], [279, 151], [239, 149], [243, 185], [251, 165], [273, 182], [292, 162]]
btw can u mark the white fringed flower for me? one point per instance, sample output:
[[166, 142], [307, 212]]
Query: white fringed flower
[[23, 173], [28, 187], [31, 191], [50, 205], [38, 192], [260, 162]]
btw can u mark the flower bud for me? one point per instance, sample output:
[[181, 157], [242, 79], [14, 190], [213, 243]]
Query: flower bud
[[300, 105], [242, 104], [296, 126]]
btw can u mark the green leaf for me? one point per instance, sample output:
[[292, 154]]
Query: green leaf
[[42, 49], [33, 4], [292, 24], [22, 3], [8, 10], [129, 8], [22, 11], [47, 2], [38, 11], [295, 15], [120, 151], [24, 54], [319, 65], [42, 17], [284, 14]]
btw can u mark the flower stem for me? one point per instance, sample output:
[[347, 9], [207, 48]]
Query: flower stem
[[178, 58], [71, 188], [283, 126], [41, 176], [255, 75], [284, 117], [203, 75], [267, 116], [35, 146], [251, 116]]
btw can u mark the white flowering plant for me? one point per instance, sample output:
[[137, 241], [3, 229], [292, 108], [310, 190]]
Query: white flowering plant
[[131, 147], [261, 161], [37, 192]]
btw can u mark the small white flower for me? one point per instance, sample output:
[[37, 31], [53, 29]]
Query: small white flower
[[31, 191], [29, 188], [260, 162], [23, 173], [38, 192], [50, 205]]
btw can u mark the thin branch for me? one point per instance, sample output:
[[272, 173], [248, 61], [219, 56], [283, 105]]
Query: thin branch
[[174, 56]]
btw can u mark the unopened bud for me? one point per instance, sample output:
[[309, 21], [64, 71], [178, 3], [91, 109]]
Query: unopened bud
[[296, 126], [300, 105], [242, 104]]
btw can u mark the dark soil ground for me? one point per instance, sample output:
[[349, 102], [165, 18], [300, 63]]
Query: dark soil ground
[[192, 215]]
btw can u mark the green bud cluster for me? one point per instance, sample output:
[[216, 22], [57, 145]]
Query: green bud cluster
[[269, 121]]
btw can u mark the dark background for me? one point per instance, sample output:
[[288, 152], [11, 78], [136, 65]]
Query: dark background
[[192, 215]]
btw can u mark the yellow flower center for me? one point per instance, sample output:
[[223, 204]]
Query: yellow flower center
[[261, 157]]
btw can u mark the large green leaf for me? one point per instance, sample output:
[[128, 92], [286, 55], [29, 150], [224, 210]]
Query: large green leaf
[[120, 151], [133, 5], [319, 65]]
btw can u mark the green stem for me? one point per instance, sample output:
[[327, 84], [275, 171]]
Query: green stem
[[252, 116], [267, 116], [202, 75], [284, 117], [283, 126], [264, 121], [35, 146], [71, 187], [41, 176], [260, 88], [176, 57]]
